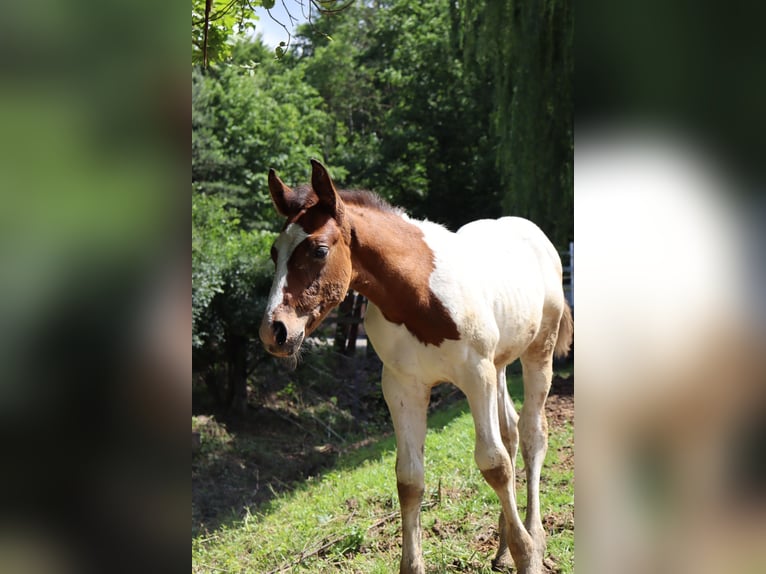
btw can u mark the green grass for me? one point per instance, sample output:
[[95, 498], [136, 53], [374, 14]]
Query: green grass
[[347, 519]]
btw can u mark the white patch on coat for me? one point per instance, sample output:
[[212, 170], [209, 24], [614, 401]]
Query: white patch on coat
[[494, 277], [285, 245]]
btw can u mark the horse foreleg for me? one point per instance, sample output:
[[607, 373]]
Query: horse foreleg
[[407, 400]]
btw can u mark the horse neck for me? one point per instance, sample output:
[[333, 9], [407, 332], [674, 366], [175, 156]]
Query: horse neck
[[392, 266]]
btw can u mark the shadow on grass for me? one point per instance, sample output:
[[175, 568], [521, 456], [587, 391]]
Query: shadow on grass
[[245, 463]]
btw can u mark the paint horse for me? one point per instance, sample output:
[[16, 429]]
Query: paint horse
[[444, 306]]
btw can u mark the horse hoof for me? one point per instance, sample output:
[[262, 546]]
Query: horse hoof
[[503, 564]]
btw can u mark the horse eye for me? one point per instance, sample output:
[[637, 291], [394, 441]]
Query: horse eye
[[321, 251]]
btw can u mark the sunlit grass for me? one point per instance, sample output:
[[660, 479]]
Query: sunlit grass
[[347, 519]]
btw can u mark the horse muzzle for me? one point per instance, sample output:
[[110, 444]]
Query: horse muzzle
[[280, 339]]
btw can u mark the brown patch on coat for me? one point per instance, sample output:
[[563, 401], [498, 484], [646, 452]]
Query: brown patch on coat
[[497, 477], [409, 494], [552, 339], [392, 267]]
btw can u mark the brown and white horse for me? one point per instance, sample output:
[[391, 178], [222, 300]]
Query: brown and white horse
[[444, 306]]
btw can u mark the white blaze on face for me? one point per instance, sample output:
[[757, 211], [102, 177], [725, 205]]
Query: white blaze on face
[[285, 244]]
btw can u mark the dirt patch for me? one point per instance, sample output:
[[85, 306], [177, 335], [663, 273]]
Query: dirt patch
[[487, 540], [558, 522], [560, 404]]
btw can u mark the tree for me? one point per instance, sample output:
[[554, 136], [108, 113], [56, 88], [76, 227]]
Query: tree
[[248, 118], [231, 274], [524, 48], [214, 22], [411, 119], [434, 105]]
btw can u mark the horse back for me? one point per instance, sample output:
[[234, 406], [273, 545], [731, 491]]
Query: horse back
[[498, 279]]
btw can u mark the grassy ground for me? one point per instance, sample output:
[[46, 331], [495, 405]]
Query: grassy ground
[[345, 519]]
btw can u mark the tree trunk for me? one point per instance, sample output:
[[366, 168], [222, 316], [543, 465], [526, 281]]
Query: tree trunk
[[353, 329]]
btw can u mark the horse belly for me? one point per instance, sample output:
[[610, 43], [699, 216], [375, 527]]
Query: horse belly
[[402, 352], [516, 331]]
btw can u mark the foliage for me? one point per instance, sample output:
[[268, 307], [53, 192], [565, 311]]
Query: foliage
[[411, 124], [230, 264], [524, 48], [247, 117], [214, 22], [247, 120], [231, 273]]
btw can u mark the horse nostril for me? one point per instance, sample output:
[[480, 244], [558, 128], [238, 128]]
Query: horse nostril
[[280, 332]]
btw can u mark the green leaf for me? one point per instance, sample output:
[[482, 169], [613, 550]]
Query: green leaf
[[268, 4]]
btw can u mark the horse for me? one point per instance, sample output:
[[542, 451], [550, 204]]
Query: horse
[[443, 307]]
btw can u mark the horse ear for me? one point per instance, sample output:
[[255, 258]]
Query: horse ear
[[325, 190], [284, 198]]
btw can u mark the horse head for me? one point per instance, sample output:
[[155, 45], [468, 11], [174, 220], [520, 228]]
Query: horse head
[[312, 257]]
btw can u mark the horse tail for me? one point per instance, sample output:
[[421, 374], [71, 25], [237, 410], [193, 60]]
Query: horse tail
[[566, 332]]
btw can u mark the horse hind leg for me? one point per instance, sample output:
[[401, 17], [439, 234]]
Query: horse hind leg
[[508, 419], [493, 459], [537, 369]]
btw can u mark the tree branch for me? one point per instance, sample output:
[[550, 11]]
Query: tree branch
[[323, 10], [208, 6]]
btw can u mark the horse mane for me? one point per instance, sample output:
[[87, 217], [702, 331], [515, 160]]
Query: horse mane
[[358, 197], [363, 198]]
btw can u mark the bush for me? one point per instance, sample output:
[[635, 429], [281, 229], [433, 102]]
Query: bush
[[231, 274]]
